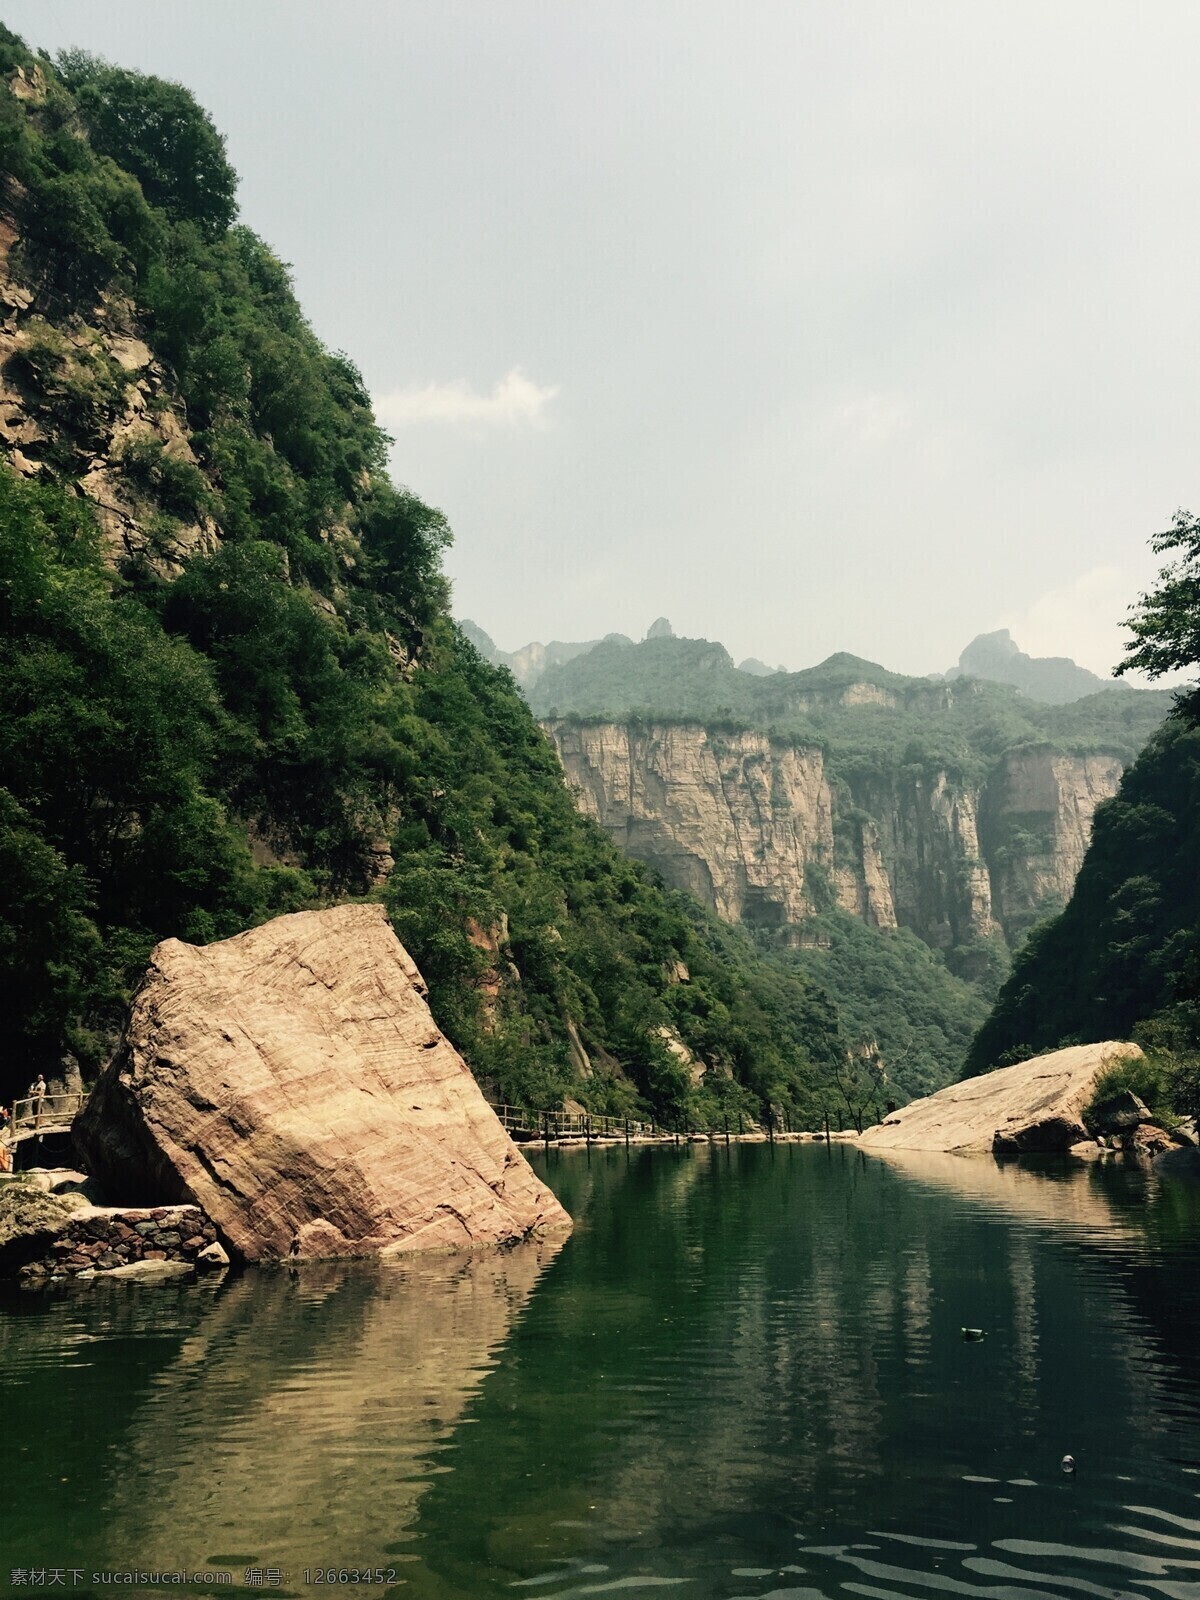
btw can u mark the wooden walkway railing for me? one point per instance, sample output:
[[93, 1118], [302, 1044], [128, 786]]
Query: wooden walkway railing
[[52, 1113], [572, 1125]]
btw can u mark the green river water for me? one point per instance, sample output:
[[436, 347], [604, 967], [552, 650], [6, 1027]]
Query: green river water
[[742, 1375]]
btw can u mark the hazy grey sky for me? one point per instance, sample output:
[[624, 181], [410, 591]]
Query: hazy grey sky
[[849, 325]]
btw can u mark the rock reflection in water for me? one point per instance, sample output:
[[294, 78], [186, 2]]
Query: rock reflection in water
[[307, 1410], [740, 1359], [1059, 1194]]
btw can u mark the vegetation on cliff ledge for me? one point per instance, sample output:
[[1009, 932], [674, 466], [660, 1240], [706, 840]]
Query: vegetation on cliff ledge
[[193, 744]]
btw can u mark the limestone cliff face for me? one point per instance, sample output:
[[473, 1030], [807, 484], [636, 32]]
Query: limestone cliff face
[[863, 886], [928, 839], [736, 819], [760, 830], [1038, 821]]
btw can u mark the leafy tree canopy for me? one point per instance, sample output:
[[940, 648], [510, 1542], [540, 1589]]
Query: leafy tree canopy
[[1166, 622], [155, 130]]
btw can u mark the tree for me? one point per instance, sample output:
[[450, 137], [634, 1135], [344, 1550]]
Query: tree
[[859, 1078], [154, 129], [1166, 622]]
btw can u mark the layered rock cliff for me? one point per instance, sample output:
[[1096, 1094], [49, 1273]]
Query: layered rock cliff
[[766, 831], [1037, 822], [735, 819]]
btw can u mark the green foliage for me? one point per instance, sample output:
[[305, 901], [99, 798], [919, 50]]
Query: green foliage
[[1125, 948], [50, 948], [14, 52], [109, 743], [1166, 627], [893, 989], [84, 223], [1123, 959], [176, 483], [1149, 1077], [155, 130]]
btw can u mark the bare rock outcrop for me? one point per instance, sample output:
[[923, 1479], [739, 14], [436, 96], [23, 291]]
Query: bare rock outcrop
[[1036, 1105], [1039, 808], [292, 1082], [734, 818]]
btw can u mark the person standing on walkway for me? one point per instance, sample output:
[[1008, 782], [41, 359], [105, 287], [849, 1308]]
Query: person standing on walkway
[[37, 1093]]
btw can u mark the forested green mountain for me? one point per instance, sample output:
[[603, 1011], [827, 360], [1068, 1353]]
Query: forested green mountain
[[961, 725], [229, 683]]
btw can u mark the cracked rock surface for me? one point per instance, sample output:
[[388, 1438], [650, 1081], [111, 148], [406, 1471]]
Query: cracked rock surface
[[293, 1083]]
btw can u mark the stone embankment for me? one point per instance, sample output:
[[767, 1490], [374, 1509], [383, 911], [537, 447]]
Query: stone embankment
[[50, 1230], [116, 1243]]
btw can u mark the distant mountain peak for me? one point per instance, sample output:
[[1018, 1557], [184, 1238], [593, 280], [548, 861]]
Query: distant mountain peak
[[660, 629], [531, 661], [1054, 680], [999, 644], [842, 659]]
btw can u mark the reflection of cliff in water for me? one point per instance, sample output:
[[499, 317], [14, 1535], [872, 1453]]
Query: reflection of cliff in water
[[758, 1338], [307, 1409]]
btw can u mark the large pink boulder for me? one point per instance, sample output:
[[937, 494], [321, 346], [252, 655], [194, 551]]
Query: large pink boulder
[[293, 1083]]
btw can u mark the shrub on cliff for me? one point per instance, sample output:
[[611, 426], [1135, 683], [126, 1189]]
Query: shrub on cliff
[[155, 130]]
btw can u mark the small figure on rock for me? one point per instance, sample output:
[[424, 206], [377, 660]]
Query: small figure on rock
[[294, 1247]]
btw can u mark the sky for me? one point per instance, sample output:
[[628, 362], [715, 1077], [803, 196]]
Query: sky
[[811, 325]]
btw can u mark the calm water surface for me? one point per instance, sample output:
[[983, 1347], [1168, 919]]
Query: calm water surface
[[742, 1375]]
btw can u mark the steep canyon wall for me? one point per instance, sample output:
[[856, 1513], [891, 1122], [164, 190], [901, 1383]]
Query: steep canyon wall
[[767, 833]]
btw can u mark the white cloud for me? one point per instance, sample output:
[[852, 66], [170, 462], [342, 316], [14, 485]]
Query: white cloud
[[1082, 619], [515, 402], [866, 422]]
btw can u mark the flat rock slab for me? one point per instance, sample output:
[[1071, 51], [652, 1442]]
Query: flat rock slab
[[150, 1271], [1041, 1097], [292, 1082]]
